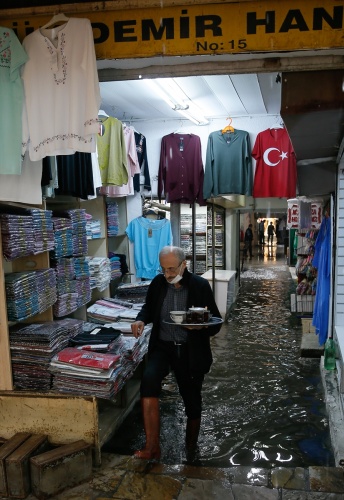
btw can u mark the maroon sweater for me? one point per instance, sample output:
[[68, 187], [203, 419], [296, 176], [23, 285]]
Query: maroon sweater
[[181, 170]]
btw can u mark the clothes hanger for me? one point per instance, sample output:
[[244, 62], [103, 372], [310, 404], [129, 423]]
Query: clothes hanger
[[228, 128], [278, 124], [177, 131], [57, 19], [102, 113]]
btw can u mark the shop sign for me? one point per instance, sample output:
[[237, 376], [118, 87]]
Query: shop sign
[[316, 214], [226, 28], [293, 216]]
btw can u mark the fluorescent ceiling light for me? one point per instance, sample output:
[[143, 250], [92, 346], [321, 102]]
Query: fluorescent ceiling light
[[172, 94]]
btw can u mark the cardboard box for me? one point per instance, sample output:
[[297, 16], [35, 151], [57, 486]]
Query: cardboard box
[[307, 326]]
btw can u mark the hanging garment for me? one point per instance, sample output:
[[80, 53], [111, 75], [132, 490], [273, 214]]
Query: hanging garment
[[97, 181], [322, 261], [275, 175], [62, 94], [149, 237], [24, 187], [133, 168], [228, 167], [75, 175], [12, 57], [141, 149], [112, 153], [181, 171]]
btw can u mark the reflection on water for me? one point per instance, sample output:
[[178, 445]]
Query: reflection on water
[[263, 404]]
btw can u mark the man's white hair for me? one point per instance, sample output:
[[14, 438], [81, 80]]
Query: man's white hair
[[177, 251]]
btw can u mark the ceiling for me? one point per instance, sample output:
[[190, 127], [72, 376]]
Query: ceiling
[[218, 96]]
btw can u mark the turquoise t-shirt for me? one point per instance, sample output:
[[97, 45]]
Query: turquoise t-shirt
[[12, 57], [149, 237]]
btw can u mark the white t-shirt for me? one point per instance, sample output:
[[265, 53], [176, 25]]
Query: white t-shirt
[[62, 95]]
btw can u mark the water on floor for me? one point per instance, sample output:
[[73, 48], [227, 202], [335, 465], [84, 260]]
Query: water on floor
[[263, 404]]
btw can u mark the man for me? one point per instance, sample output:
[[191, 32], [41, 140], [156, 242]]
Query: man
[[248, 240], [173, 347], [271, 232], [261, 232]]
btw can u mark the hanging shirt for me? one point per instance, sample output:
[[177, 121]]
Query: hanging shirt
[[228, 167], [141, 149], [112, 153], [25, 187], [132, 168], [12, 57], [149, 237], [75, 175], [181, 170], [62, 94], [275, 175]]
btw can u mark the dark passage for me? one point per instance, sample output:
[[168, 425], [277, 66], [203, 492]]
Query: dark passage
[[263, 404]]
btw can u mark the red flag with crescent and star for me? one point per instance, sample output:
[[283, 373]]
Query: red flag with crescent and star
[[276, 174]]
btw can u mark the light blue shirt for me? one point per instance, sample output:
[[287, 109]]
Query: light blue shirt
[[12, 57], [149, 237]]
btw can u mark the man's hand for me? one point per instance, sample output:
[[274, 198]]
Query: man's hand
[[137, 328]]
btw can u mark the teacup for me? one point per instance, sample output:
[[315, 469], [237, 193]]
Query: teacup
[[178, 316]]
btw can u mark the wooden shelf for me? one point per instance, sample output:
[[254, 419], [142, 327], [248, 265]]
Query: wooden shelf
[[63, 417]]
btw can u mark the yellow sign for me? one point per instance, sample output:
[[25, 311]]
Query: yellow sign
[[232, 28]]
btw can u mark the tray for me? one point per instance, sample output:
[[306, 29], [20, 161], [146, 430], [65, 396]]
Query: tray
[[213, 321]]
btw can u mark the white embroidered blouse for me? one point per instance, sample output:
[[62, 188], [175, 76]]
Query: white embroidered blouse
[[62, 95]]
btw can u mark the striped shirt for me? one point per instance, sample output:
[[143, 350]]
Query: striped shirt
[[175, 300]]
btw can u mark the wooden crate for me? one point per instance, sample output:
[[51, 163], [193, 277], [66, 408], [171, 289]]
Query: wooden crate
[[62, 468], [18, 465]]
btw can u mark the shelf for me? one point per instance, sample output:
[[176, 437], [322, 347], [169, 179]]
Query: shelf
[[119, 235], [64, 417]]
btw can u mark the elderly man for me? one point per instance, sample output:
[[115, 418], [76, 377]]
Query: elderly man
[[184, 350]]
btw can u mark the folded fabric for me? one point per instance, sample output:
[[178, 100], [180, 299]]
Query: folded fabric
[[99, 335], [91, 359]]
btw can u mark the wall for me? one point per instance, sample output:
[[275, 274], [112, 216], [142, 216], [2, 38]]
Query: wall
[[339, 268], [339, 276]]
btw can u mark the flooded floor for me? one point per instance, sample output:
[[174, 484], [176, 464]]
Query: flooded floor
[[263, 404]]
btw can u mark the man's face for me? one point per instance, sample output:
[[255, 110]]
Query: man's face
[[171, 266]]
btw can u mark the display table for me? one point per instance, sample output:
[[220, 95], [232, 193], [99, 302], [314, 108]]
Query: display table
[[225, 288]]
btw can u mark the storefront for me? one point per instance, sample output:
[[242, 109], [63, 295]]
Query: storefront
[[202, 38]]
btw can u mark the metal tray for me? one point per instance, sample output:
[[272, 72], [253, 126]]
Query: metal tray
[[213, 321]]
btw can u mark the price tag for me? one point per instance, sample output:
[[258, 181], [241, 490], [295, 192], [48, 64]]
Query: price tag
[[150, 233]]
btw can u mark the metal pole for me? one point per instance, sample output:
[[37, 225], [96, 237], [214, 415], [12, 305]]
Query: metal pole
[[193, 258]]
